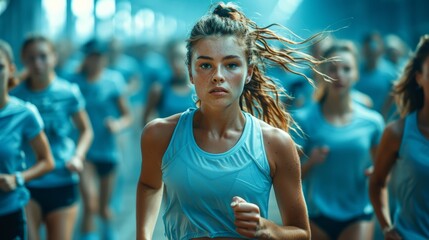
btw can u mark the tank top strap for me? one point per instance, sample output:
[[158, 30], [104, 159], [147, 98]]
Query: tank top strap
[[410, 124], [180, 137], [255, 144]]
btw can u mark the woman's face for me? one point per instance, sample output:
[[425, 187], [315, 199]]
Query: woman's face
[[177, 60], [219, 70], [39, 58], [344, 72], [6, 71], [95, 62]]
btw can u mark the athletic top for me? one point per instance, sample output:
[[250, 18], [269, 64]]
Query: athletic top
[[199, 186], [101, 97], [57, 103], [338, 187], [411, 189], [172, 102], [20, 123]]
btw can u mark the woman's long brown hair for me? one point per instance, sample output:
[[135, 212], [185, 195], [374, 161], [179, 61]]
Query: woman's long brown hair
[[261, 96]]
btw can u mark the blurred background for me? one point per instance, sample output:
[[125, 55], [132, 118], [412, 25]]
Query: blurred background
[[144, 21], [139, 31]]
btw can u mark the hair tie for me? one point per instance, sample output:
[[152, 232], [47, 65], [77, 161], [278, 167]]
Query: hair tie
[[222, 12]]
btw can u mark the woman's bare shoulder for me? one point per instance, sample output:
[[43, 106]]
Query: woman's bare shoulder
[[275, 135], [158, 132], [281, 151], [394, 131]]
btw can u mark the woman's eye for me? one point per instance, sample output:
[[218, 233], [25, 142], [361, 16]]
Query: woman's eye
[[346, 69], [332, 69], [232, 65], [205, 66]]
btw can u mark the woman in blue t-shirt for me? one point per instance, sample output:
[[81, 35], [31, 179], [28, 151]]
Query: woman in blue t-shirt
[[62, 107], [403, 154], [103, 90], [339, 139], [175, 95], [21, 125]]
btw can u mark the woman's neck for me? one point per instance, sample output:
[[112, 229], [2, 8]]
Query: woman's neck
[[93, 75], [337, 104], [423, 116], [219, 121], [3, 99], [37, 83]]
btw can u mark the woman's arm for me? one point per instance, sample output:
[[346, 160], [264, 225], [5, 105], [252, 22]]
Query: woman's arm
[[153, 100], [154, 141], [386, 156], [44, 160], [317, 156], [116, 125], [82, 123], [44, 164], [286, 174]]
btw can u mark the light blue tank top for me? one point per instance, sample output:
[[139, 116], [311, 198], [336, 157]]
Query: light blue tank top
[[411, 183], [20, 123], [338, 187], [199, 186]]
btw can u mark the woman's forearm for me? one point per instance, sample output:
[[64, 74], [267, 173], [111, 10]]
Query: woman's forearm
[[148, 203], [273, 231]]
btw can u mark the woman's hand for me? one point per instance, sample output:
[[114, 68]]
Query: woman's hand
[[75, 164], [392, 234], [247, 218], [318, 155], [113, 125], [7, 182]]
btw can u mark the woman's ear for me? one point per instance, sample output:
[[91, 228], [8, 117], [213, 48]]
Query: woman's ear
[[419, 79], [191, 79], [249, 74]]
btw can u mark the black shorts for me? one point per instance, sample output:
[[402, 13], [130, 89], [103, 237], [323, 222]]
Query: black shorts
[[13, 226], [334, 227], [104, 168], [54, 198]]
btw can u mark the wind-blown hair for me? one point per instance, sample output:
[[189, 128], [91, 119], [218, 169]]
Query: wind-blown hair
[[261, 96], [408, 94]]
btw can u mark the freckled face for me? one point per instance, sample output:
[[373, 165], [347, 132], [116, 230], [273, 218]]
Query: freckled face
[[344, 72], [219, 70]]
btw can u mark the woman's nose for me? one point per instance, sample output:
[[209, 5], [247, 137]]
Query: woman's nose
[[218, 75]]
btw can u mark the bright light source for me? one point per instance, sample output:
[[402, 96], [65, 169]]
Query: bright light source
[[82, 8], [284, 9], [105, 9], [55, 12], [84, 27]]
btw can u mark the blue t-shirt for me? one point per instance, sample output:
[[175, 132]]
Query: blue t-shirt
[[199, 186], [101, 98], [337, 188], [57, 103], [172, 102], [20, 123], [377, 84], [410, 189]]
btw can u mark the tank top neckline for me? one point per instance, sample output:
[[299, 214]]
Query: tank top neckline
[[234, 148]]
